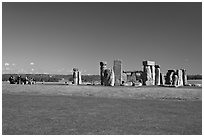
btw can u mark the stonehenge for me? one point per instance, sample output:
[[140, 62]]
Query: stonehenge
[[151, 75], [176, 78], [115, 76]]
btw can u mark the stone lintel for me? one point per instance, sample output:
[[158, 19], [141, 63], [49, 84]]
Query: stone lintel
[[148, 63]]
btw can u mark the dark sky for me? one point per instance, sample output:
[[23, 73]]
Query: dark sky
[[55, 37]]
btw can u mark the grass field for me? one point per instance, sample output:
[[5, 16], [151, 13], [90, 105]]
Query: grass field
[[59, 109]]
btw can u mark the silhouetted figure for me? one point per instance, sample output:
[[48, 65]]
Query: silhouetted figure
[[12, 80], [19, 79]]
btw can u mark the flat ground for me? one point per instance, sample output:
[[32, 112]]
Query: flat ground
[[61, 109]]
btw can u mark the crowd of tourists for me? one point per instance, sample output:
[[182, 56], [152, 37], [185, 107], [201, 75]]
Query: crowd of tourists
[[21, 80]]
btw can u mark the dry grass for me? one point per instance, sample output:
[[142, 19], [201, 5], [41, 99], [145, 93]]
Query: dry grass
[[82, 110], [154, 92]]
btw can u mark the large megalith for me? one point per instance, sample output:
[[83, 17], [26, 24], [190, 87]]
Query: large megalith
[[148, 73], [117, 68], [75, 76], [185, 82], [102, 68], [109, 78], [79, 78], [180, 77], [157, 75], [169, 77]]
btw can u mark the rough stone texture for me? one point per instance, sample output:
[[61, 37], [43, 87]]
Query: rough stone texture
[[185, 82], [102, 68], [107, 75], [180, 77], [175, 80], [147, 76], [157, 75], [79, 78], [112, 78], [162, 79], [169, 75], [117, 68], [152, 74], [148, 63], [75, 76]]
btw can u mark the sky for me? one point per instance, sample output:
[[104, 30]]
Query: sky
[[55, 37]]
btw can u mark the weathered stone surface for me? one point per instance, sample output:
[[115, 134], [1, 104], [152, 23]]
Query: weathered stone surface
[[162, 79], [175, 80], [157, 75], [75, 76], [152, 74], [117, 68], [79, 78], [185, 82], [112, 78], [180, 77], [147, 76], [107, 77], [148, 63], [169, 75], [102, 68]]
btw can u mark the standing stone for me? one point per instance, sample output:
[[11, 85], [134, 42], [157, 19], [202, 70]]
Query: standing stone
[[102, 68], [79, 78], [175, 80], [180, 77], [162, 79], [169, 75], [112, 78], [75, 76], [107, 75], [185, 82], [157, 75], [117, 68], [152, 74], [148, 75]]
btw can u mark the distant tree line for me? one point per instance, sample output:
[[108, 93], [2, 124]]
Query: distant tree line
[[194, 77], [52, 77], [88, 78]]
